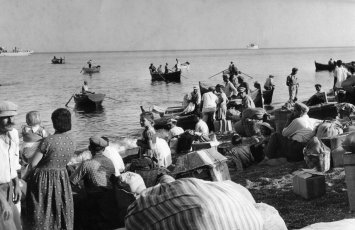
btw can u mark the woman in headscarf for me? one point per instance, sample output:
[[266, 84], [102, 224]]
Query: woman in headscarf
[[49, 199]]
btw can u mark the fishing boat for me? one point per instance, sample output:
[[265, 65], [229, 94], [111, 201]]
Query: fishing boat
[[93, 69], [252, 46], [323, 67], [16, 52], [171, 76], [90, 100], [58, 61], [183, 121]]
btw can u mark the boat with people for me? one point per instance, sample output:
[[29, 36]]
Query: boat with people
[[324, 67], [252, 46], [169, 77], [16, 52], [58, 60], [89, 100], [92, 69]]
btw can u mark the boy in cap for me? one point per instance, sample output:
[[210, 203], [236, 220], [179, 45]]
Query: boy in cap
[[9, 159], [269, 83], [292, 84]]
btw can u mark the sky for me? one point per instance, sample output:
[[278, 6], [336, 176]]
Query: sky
[[126, 25]]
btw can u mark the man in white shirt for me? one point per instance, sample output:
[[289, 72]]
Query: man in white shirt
[[9, 157], [174, 132], [201, 129], [209, 107], [269, 83], [340, 74]]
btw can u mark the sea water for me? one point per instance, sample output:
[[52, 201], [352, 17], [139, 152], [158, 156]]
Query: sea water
[[33, 83]]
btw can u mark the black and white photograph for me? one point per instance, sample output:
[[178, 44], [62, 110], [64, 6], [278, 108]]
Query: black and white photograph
[[177, 115]]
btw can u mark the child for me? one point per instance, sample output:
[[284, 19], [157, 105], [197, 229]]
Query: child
[[32, 134]]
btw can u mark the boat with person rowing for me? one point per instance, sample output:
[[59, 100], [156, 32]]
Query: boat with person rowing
[[169, 77], [89, 100], [93, 69]]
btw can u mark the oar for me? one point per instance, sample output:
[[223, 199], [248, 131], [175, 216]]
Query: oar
[[218, 73], [246, 74], [180, 74], [10, 83], [161, 76], [66, 105], [113, 99]]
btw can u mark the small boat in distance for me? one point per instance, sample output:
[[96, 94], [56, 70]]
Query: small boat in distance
[[58, 60], [171, 76], [89, 100], [252, 46], [93, 69], [16, 52]]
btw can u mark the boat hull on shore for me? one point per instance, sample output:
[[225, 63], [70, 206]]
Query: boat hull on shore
[[323, 67], [89, 101], [171, 77], [93, 69], [183, 121]]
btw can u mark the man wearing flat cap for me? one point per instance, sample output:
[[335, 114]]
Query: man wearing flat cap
[[96, 174], [229, 88], [269, 83], [292, 84], [318, 98], [299, 130], [9, 158], [243, 83]]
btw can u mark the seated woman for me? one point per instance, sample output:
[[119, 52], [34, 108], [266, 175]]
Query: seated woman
[[151, 145], [289, 145], [96, 174], [318, 98]]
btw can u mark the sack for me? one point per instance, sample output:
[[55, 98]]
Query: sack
[[142, 163], [249, 126], [317, 155], [329, 129]]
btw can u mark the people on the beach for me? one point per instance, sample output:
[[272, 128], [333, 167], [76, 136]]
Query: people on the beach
[[318, 98], [209, 107], [229, 88], [340, 74], [49, 176], [247, 101], [269, 83], [32, 135], [292, 84], [222, 103], [243, 83], [9, 164], [201, 131], [298, 131]]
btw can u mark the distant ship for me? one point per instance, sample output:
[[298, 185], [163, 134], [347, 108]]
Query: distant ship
[[252, 46], [16, 52]]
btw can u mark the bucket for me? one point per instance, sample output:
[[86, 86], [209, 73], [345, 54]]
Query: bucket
[[281, 117], [349, 165]]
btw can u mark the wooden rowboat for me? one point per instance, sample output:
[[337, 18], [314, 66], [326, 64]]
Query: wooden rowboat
[[172, 76], [183, 121], [93, 69], [58, 61], [90, 100], [323, 67]]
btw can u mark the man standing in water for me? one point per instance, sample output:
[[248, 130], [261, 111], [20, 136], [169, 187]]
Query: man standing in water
[[9, 159], [292, 84]]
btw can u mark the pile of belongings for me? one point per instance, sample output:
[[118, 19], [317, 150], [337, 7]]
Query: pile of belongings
[[191, 203]]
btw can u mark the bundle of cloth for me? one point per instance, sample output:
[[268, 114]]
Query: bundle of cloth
[[191, 203]]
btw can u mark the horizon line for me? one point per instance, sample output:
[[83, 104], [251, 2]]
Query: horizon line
[[177, 50]]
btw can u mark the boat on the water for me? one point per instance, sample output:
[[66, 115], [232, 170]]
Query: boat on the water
[[16, 52], [89, 100], [93, 69], [171, 76], [252, 46], [183, 121], [58, 61], [324, 67]]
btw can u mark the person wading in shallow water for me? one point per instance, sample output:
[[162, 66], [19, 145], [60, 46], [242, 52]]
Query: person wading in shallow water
[[292, 84]]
